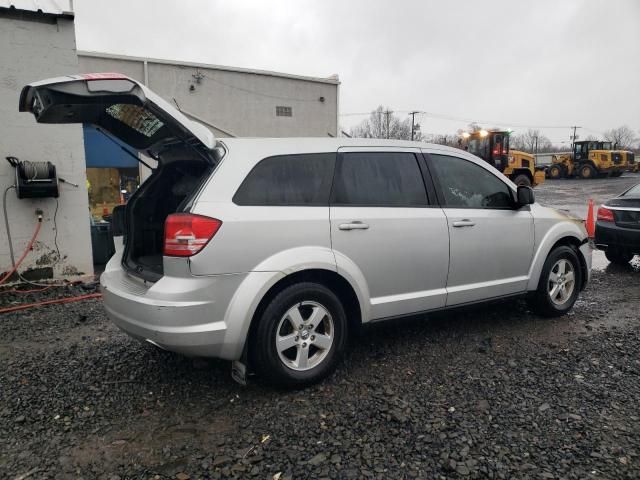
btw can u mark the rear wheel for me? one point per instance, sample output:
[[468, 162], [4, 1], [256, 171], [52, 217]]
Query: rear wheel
[[559, 283], [300, 336], [587, 171], [555, 172], [618, 256], [522, 180]]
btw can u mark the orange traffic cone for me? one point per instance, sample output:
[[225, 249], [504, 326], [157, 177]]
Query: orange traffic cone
[[590, 224]]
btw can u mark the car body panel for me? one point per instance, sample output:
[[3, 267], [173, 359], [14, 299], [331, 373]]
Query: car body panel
[[490, 258], [269, 231], [552, 226], [403, 255], [183, 314]]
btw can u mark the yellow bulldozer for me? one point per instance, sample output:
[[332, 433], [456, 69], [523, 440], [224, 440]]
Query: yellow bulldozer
[[493, 147], [589, 159]]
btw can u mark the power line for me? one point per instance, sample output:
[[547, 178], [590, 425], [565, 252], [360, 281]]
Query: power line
[[452, 118]]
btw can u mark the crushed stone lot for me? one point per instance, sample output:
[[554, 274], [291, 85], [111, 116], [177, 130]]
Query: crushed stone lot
[[491, 392], [485, 392]]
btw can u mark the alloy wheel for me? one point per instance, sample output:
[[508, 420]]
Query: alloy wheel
[[304, 336], [561, 282]]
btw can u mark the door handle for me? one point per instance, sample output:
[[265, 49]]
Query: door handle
[[464, 223], [356, 225]]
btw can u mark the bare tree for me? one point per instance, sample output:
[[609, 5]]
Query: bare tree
[[450, 140], [531, 141], [623, 137], [382, 123]]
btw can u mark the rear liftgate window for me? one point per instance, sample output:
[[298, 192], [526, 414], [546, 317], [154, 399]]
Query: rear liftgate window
[[287, 180], [136, 117]]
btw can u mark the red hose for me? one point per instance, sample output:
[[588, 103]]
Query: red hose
[[50, 302], [26, 252]]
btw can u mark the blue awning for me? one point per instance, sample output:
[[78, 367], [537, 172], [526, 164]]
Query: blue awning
[[103, 152]]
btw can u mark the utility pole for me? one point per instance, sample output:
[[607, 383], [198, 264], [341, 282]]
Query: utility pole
[[387, 114], [413, 123], [573, 137]]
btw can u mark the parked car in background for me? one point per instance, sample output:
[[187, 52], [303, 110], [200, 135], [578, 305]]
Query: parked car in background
[[273, 252], [618, 227]]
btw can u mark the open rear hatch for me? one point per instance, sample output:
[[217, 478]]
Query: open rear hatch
[[127, 110]]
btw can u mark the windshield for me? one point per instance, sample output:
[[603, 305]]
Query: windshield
[[478, 146], [606, 146]]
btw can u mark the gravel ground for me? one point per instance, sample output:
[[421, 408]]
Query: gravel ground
[[488, 392]]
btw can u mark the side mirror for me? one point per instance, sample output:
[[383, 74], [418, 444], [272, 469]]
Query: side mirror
[[117, 220], [525, 196]]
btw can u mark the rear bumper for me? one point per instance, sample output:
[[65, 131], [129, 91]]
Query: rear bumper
[[610, 235], [184, 315]]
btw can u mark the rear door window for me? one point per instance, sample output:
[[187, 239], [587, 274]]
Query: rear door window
[[467, 185], [289, 180], [379, 179]]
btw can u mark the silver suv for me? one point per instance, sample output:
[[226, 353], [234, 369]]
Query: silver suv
[[272, 252]]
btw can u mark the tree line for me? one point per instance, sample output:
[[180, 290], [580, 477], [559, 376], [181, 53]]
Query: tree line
[[383, 123]]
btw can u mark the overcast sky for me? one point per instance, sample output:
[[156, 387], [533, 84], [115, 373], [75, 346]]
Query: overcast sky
[[502, 63]]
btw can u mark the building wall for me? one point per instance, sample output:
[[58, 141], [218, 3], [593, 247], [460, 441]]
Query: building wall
[[237, 103], [34, 48]]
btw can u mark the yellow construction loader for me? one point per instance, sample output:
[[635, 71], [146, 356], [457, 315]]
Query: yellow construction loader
[[589, 159], [630, 160], [493, 147]]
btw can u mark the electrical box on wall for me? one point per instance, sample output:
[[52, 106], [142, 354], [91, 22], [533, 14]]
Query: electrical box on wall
[[35, 179]]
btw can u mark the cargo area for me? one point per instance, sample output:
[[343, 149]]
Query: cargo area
[[170, 188]]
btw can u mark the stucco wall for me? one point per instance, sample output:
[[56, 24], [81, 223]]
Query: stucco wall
[[33, 50], [241, 103]]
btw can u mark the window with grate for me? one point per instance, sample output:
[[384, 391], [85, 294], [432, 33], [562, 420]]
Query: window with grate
[[284, 112]]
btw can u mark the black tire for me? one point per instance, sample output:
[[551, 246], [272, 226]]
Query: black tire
[[587, 172], [540, 301], [555, 172], [522, 180], [618, 256], [262, 347]]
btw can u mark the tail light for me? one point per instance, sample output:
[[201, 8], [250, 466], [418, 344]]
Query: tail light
[[605, 215], [186, 234]]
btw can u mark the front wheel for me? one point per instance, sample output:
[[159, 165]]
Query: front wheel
[[522, 181], [559, 283], [587, 172], [555, 172], [618, 256], [300, 336]]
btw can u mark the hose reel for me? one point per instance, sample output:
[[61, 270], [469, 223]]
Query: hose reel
[[35, 179]]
